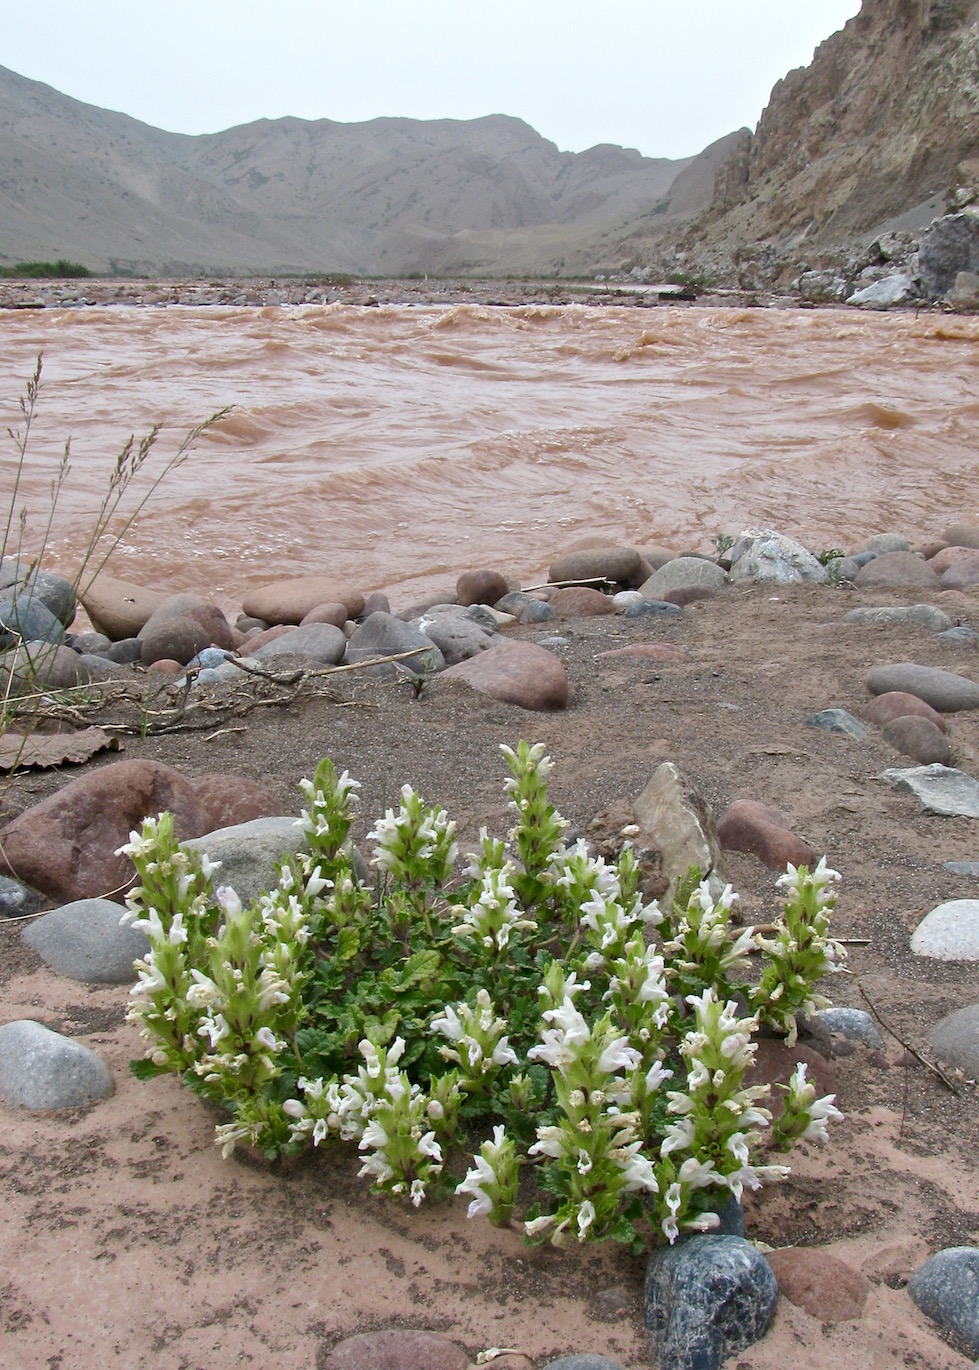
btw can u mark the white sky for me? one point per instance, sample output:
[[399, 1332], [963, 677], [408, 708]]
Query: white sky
[[665, 76]]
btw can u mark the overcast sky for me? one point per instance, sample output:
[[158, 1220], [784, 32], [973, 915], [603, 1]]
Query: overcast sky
[[665, 76]]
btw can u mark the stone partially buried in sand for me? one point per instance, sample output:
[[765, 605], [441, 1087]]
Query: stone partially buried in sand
[[939, 789], [955, 1039], [823, 1285], [40, 1069], [950, 932], [396, 1349], [86, 941], [517, 673], [919, 739], [749, 826], [289, 601], [945, 691]]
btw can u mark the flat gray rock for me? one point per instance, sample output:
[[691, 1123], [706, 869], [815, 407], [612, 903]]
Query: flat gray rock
[[945, 691], [587, 1361], [85, 941], [683, 573], [763, 554], [956, 1040], [838, 721], [946, 1289], [950, 932], [927, 615], [962, 867], [383, 635], [16, 900], [852, 1023], [321, 643], [939, 789], [41, 1069], [248, 853]]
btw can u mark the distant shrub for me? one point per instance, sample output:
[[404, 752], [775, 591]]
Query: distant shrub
[[59, 270]]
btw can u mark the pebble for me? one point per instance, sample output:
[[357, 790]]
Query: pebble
[[939, 789], [838, 721], [42, 1069], [705, 1298], [854, 1024], [85, 941], [927, 615], [517, 673], [749, 826], [945, 691], [963, 534], [822, 1284], [955, 1039], [645, 651], [919, 739], [950, 932], [898, 570], [946, 1289], [536, 611], [653, 608], [16, 900]]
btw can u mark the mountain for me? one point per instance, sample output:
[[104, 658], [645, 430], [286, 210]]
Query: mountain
[[390, 196]]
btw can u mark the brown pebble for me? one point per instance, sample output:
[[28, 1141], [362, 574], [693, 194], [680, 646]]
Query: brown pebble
[[900, 704], [820, 1283], [919, 739]]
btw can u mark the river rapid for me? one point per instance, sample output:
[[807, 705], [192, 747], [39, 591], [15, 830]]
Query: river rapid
[[394, 447]]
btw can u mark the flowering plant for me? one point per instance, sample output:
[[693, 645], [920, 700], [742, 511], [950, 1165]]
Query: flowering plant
[[536, 993]]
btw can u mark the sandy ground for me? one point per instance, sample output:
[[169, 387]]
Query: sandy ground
[[129, 1242]]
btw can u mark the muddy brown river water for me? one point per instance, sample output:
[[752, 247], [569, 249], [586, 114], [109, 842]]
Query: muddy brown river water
[[399, 445]]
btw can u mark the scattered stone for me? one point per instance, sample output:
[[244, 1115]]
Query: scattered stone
[[897, 570], [950, 932], [85, 941], [886, 293], [943, 690], [41, 1069], [919, 739], [17, 900], [578, 601], [680, 574], [118, 608], [384, 635], [654, 608], [955, 1039], [180, 628], [946, 1289], [536, 611], [925, 614], [749, 826], [396, 1349], [248, 852], [852, 1023], [25, 618], [517, 673], [481, 587], [838, 721], [616, 565], [126, 651], [706, 1298], [587, 1361], [321, 644], [899, 704], [456, 637], [646, 651], [939, 789], [290, 600], [823, 1285], [65, 846], [885, 542], [673, 819], [326, 613], [762, 554]]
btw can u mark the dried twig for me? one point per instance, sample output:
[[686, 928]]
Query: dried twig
[[929, 1065]]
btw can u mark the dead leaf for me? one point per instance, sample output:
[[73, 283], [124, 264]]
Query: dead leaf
[[20, 751]]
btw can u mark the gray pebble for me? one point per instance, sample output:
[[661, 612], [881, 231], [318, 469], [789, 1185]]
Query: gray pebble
[[16, 900], [41, 1069], [853, 1024], [85, 941], [838, 721], [946, 1289]]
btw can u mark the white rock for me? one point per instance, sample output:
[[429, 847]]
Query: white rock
[[763, 554], [883, 294], [950, 932]]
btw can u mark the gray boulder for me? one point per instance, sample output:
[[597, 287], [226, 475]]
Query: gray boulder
[[383, 635], [85, 941], [945, 691], [24, 617], [674, 821], [951, 245], [956, 1040], [248, 852], [683, 573], [763, 554], [927, 615], [321, 643], [950, 932], [706, 1298], [939, 789], [886, 293], [457, 637], [946, 1289], [41, 1069]]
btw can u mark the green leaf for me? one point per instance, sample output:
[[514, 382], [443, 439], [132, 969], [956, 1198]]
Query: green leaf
[[145, 1069]]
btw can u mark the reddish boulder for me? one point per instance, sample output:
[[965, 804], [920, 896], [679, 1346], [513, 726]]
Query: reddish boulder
[[749, 826], [617, 565], [481, 587], [334, 614], [180, 628], [579, 601], [517, 673], [899, 704], [823, 1285], [775, 1064], [232, 799], [919, 739], [289, 601]]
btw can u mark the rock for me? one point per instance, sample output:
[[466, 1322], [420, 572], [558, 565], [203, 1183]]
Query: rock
[[578, 601], [55, 592], [397, 1349], [964, 295], [457, 638], [949, 246], [955, 1039], [334, 613], [706, 1298], [125, 651], [646, 651], [383, 635], [959, 636], [775, 1063], [23, 618], [899, 704], [820, 1283], [290, 600], [16, 900], [118, 608], [85, 941], [749, 826], [963, 573], [897, 570], [680, 574], [615, 565], [41, 1069], [481, 587], [673, 819], [946, 1289], [919, 739], [536, 611], [838, 721], [939, 789], [376, 602], [232, 799], [516, 673], [180, 628], [65, 845], [89, 644], [515, 601], [963, 867], [964, 534], [886, 293], [42, 665], [585, 1361], [945, 691], [885, 542], [248, 852], [322, 644], [854, 1024], [950, 932], [946, 557], [761, 554], [927, 615]]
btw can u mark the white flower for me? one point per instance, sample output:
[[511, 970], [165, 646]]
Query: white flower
[[618, 1055], [586, 1216], [417, 1192]]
